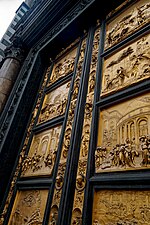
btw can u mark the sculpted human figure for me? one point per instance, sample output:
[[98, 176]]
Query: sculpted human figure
[[145, 150], [53, 216], [134, 152], [80, 182], [59, 182], [121, 74], [61, 106]]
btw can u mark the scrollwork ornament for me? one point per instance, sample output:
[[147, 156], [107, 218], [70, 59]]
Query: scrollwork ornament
[[68, 130], [82, 163]]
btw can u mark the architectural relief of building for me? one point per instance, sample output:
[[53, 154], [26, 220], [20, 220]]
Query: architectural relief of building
[[42, 153], [124, 136], [75, 116]]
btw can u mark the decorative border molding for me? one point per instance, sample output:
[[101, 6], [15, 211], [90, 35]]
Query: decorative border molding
[[10, 112], [23, 151], [76, 11]]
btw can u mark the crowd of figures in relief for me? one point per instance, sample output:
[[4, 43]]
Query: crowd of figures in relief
[[125, 139], [121, 207], [127, 23], [29, 208], [42, 154], [126, 67]]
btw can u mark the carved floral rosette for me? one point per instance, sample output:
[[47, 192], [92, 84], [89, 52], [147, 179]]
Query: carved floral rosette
[[82, 163], [128, 22], [23, 151], [63, 67], [113, 207], [67, 137], [54, 103], [42, 153], [124, 136], [29, 207], [127, 67]]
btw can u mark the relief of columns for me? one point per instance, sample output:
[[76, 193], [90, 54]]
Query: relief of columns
[[130, 121]]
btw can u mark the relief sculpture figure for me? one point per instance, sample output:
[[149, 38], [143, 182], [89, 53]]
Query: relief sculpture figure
[[29, 208], [42, 153], [124, 207], [54, 103], [62, 68], [130, 21], [125, 140], [126, 67]]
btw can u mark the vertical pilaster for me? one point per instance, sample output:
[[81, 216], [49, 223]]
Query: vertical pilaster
[[85, 138]]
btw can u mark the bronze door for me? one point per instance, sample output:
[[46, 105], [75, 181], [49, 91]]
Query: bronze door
[[86, 155]]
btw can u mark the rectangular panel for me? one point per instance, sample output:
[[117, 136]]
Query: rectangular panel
[[126, 67], [129, 21], [63, 67], [122, 207], [124, 136], [54, 103], [42, 153], [29, 207]]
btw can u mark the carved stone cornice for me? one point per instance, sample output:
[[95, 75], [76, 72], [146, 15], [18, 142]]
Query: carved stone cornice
[[75, 12], [45, 20]]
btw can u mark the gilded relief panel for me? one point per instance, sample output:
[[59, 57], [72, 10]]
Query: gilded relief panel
[[22, 155], [67, 138], [124, 136], [128, 66], [129, 21], [54, 103], [63, 67], [29, 207], [123, 207], [42, 153]]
